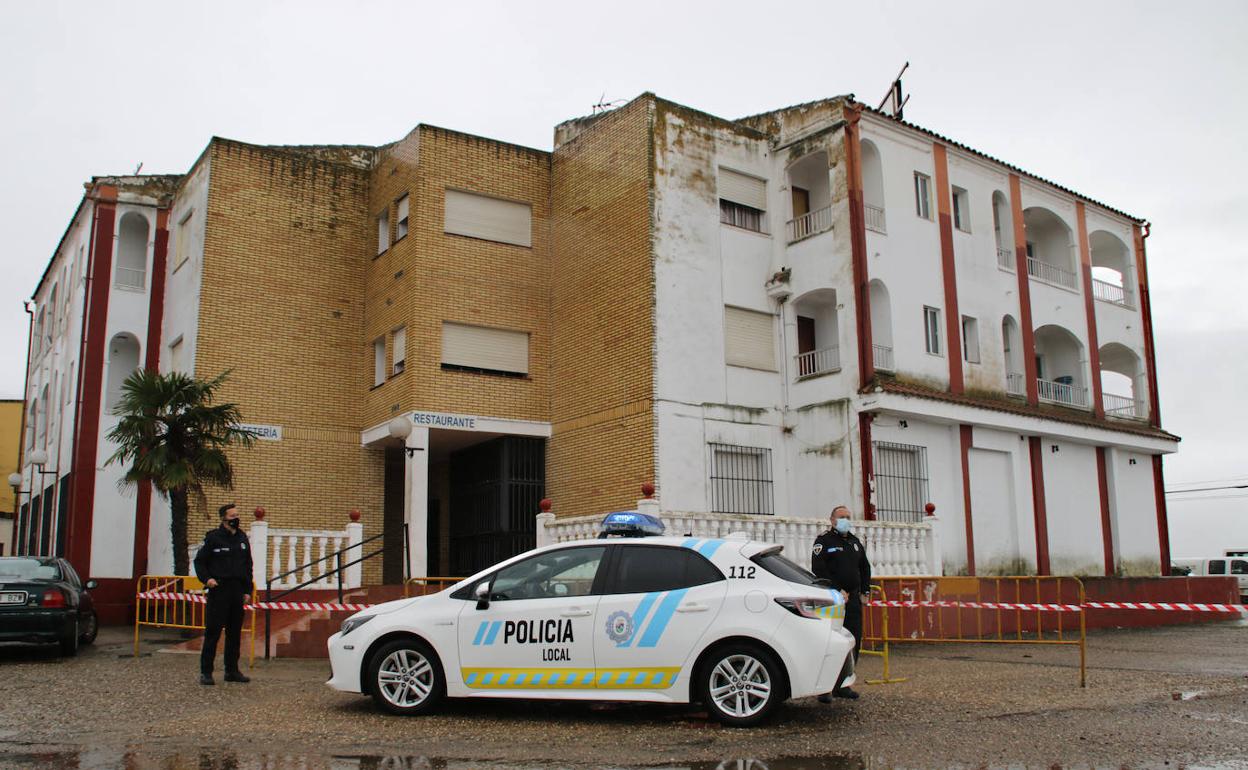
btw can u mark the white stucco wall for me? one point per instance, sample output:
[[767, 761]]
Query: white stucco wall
[[1133, 512], [1072, 508]]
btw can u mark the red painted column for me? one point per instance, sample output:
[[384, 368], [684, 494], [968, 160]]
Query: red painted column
[[1163, 525], [953, 320], [858, 246], [868, 464], [1094, 350], [1107, 532], [967, 436], [1037, 500], [1146, 311], [155, 320], [82, 503], [1024, 291]]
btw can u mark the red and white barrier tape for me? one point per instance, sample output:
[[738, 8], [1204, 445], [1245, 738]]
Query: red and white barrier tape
[[1153, 606]]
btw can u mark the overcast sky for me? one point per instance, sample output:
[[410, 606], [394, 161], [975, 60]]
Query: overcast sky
[[1141, 105]]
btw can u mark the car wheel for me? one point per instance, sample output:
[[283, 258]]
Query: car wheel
[[69, 644], [741, 684], [89, 629], [405, 677]]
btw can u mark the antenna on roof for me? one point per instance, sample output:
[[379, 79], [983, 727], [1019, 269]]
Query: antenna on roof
[[898, 103], [137, 169], [603, 105]]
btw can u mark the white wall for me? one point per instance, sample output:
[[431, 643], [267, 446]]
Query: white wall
[[1133, 512], [1072, 508]]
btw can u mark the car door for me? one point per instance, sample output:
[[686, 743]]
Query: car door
[[658, 602], [536, 631]]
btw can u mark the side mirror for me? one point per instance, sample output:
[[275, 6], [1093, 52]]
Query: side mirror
[[482, 593], [91, 584]]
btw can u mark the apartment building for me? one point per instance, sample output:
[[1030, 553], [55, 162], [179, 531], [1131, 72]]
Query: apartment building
[[764, 316]]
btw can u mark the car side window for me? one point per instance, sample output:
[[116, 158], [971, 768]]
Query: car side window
[[551, 575], [648, 568], [1217, 567], [1239, 567], [70, 574]]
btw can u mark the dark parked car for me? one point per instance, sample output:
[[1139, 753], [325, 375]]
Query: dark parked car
[[42, 599]]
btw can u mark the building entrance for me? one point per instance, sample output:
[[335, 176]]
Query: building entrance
[[495, 489]]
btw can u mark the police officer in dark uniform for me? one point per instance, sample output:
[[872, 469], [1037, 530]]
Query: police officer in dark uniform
[[840, 558], [223, 565]]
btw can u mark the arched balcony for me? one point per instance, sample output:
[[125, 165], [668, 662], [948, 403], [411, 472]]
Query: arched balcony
[[818, 334], [132, 252], [1012, 345], [1111, 269], [1059, 367], [873, 187], [1122, 383], [123, 359], [881, 326], [1050, 249], [811, 196], [1003, 231]]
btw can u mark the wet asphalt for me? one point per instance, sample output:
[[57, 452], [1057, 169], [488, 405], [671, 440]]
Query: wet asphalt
[[1163, 698]]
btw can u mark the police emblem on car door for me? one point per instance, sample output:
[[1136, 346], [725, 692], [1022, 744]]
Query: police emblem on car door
[[535, 630]]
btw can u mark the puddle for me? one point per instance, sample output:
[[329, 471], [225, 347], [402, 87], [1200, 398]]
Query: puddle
[[140, 759]]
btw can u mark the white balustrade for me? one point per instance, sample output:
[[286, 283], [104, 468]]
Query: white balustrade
[[875, 218], [309, 553], [883, 357], [1125, 407], [1062, 393], [1111, 293], [1014, 384], [894, 548], [821, 361], [1005, 259], [1057, 276], [809, 224]]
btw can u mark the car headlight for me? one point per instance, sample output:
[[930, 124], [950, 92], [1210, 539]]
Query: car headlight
[[350, 624]]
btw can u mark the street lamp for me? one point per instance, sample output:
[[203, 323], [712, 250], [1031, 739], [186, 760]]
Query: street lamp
[[401, 428], [15, 481], [39, 458]]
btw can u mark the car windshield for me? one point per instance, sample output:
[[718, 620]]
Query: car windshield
[[16, 568], [786, 569]]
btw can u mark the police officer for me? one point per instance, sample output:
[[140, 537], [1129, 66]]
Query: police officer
[[223, 565], [839, 557]]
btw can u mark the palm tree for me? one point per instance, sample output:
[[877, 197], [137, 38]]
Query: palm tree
[[172, 435]]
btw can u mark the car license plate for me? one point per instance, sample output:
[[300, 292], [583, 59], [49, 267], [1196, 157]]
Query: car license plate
[[13, 597]]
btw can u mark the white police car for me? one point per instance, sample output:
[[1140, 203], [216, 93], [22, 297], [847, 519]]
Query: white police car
[[727, 622]]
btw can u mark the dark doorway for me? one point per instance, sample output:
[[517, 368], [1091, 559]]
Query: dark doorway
[[62, 515], [393, 565], [495, 490], [433, 542]]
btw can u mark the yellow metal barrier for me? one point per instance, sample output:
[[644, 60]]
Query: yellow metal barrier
[[877, 593], [968, 610], [173, 608], [423, 586]]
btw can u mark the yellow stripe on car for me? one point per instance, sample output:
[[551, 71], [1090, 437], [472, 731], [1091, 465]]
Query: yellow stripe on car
[[637, 678]]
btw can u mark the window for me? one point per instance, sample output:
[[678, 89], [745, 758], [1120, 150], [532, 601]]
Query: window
[[182, 250], [399, 343], [961, 210], [742, 200], [490, 219], [1239, 567], [130, 271], [52, 314], [922, 195], [484, 349], [970, 339], [383, 231], [379, 361], [645, 568], [900, 472], [931, 330], [400, 227], [740, 479], [551, 575], [1217, 566], [785, 569], [748, 339], [177, 356]]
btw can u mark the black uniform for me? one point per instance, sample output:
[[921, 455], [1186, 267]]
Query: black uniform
[[226, 557], [842, 560]]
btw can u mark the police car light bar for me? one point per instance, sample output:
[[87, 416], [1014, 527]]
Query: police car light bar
[[630, 524]]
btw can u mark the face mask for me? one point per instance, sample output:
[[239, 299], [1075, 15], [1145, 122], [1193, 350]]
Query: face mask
[[231, 523], [842, 526]]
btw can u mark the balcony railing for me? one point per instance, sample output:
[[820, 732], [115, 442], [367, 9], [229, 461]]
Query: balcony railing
[[1043, 271], [1064, 393], [1005, 259], [809, 224], [875, 218], [1124, 407], [1014, 384], [1108, 292], [882, 355], [131, 278], [815, 362]]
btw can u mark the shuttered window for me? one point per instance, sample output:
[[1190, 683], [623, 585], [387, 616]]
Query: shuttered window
[[379, 361], [490, 219], [399, 346], [748, 339], [481, 348], [400, 228], [740, 188], [383, 231]]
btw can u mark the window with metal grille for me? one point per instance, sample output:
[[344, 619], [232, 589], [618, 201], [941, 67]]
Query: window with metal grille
[[900, 481], [740, 479]]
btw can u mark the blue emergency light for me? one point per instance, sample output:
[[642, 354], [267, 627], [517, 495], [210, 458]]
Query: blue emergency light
[[630, 524]]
